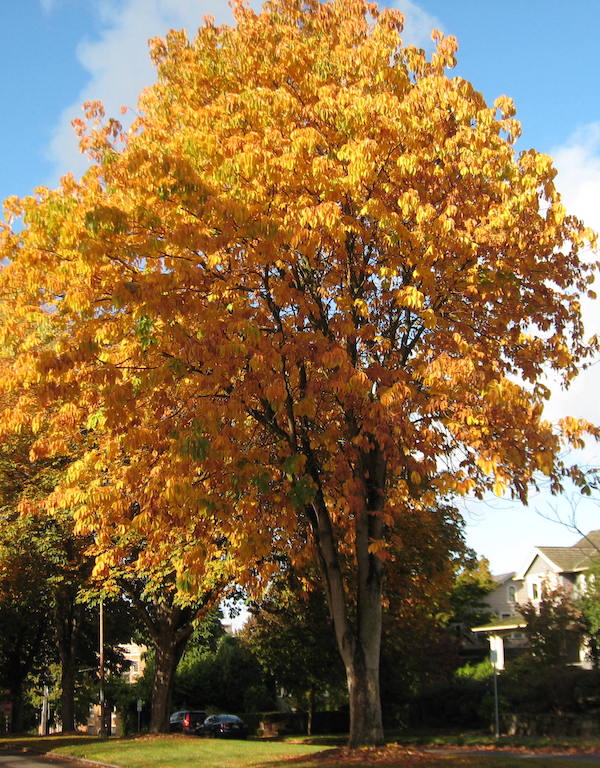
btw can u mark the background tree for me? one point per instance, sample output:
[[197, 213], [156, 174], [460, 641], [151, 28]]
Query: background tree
[[44, 567], [588, 603], [243, 685], [26, 641], [220, 671], [196, 680], [169, 626], [290, 634], [167, 604], [47, 568], [47, 622], [473, 583], [330, 283], [554, 628], [417, 647]]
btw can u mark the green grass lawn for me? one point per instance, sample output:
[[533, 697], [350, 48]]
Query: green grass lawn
[[184, 752], [171, 751]]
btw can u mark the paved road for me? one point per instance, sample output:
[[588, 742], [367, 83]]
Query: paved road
[[23, 760], [10, 759]]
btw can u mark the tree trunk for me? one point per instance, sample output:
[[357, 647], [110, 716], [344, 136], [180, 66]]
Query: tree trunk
[[359, 640], [67, 696], [67, 616], [170, 642], [362, 675], [362, 667], [162, 688], [311, 711]]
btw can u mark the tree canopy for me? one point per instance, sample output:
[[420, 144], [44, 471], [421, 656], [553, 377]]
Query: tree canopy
[[310, 293]]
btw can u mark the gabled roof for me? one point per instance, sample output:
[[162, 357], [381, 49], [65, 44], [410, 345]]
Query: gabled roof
[[573, 559], [591, 541], [569, 558], [502, 578]]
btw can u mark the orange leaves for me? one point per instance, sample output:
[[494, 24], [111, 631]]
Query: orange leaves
[[396, 394], [336, 253], [324, 216], [380, 549], [410, 297], [576, 431]]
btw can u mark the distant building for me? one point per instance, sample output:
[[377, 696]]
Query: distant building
[[547, 568], [135, 665], [135, 655]]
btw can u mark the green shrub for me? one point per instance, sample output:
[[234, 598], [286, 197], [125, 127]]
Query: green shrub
[[535, 689], [482, 671]]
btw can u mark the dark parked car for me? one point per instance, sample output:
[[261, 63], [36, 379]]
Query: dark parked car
[[186, 721], [224, 726]]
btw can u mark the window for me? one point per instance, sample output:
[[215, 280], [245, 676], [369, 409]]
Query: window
[[535, 592], [512, 594]]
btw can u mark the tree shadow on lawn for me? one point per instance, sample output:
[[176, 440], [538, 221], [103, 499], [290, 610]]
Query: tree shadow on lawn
[[45, 744]]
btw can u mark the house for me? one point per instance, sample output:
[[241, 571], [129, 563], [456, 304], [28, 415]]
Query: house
[[503, 599], [559, 567], [547, 568], [505, 631]]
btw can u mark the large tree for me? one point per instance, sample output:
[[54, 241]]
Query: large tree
[[312, 290]]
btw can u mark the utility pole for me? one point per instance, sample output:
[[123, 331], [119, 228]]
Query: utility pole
[[101, 675], [494, 660]]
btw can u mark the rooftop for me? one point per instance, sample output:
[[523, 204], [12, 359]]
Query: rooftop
[[578, 557]]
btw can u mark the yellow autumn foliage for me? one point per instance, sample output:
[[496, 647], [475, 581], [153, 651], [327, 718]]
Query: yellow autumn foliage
[[314, 242]]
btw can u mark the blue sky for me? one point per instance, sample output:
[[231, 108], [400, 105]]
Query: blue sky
[[56, 54]]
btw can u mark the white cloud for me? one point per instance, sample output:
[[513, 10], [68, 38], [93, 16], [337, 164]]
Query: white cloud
[[48, 5], [118, 63], [578, 180], [418, 24], [578, 164]]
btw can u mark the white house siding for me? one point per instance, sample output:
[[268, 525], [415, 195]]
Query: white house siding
[[500, 599]]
